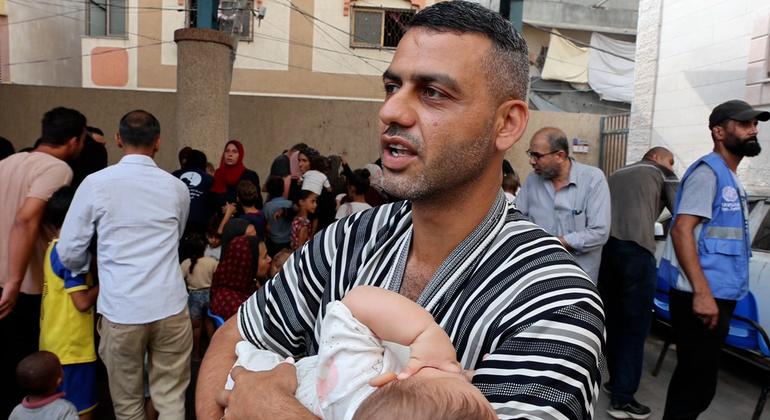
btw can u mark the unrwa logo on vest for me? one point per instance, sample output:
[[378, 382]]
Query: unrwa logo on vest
[[730, 197]]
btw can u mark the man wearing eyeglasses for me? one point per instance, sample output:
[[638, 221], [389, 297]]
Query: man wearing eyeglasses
[[566, 198]]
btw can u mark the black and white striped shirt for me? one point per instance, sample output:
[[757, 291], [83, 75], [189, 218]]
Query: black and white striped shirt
[[508, 290]]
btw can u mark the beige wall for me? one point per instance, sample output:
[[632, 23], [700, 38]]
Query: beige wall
[[266, 125]]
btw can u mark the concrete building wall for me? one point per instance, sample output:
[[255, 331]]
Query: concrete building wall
[[43, 42], [266, 125], [615, 16], [702, 58]]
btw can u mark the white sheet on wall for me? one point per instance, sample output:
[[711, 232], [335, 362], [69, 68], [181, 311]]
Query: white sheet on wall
[[612, 77], [565, 61]]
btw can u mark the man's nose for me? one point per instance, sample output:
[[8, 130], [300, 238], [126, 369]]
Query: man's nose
[[398, 109]]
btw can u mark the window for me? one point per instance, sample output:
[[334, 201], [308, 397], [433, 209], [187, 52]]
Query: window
[[226, 15], [378, 28], [106, 18]]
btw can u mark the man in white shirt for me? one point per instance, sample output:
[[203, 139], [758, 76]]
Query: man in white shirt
[[138, 212]]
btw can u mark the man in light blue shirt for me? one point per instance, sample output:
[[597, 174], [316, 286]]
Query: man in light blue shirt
[[566, 198], [138, 212]]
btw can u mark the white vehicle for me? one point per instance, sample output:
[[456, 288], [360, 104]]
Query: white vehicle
[[759, 265]]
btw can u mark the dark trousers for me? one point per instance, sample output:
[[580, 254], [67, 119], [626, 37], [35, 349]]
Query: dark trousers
[[627, 287], [698, 348], [20, 332]]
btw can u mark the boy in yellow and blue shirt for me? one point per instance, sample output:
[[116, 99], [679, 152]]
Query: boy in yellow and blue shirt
[[67, 316]]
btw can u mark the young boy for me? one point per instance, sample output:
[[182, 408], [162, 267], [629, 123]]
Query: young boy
[[354, 374], [278, 223], [251, 202], [67, 316], [40, 374]]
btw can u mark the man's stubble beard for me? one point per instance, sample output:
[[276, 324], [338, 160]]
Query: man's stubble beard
[[458, 166]]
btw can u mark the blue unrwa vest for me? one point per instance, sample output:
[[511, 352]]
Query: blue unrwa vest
[[723, 244]]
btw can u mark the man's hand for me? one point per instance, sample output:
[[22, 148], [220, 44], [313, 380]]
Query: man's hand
[[705, 307], [257, 395], [8, 299]]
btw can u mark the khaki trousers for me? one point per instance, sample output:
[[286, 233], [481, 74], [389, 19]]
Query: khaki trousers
[[168, 343]]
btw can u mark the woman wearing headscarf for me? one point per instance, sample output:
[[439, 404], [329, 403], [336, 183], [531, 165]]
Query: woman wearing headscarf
[[231, 171], [241, 271]]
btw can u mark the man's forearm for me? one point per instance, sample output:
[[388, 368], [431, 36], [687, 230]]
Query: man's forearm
[[212, 376], [21, 242]]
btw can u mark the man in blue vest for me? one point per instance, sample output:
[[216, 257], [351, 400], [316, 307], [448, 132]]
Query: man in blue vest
[[706, 259]]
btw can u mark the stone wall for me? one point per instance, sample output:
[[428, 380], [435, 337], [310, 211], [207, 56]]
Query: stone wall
[[265, 125]]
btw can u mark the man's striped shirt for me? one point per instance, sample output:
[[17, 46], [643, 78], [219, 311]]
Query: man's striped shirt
[[517, 307]]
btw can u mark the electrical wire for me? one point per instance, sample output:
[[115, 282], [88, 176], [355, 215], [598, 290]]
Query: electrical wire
[[575, 41]]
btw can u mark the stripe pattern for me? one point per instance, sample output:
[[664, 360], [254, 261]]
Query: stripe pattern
[[517, 307]]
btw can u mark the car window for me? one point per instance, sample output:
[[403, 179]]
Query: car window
[[762, 237]]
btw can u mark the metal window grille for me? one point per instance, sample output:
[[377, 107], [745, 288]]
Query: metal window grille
[[378, 28], [106, 18], [613, 142]]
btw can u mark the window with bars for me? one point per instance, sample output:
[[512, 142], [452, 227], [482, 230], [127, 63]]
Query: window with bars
[[225, 17], [106, 18], [378, 28]]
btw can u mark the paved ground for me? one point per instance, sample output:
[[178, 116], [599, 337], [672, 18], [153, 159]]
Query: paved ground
[[737, 392]]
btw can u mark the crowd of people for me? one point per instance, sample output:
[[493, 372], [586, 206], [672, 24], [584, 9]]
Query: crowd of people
[[393, 296]]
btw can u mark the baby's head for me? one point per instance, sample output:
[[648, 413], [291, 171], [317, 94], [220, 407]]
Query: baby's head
[[428, 394], [39, 374], [278, 260]]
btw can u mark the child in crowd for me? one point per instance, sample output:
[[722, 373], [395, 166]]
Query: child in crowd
[[278, 224], [214, 244], [278, 260], [301, 228], [251, 203], [511, 186], [40, 374], [67, 315], [198, 270], [357, 376], [358, 186]]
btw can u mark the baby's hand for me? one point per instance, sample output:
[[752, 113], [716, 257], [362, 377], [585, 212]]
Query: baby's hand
[[432, 348]]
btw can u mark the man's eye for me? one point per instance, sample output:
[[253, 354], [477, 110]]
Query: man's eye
[[390, 88], [433, 93]]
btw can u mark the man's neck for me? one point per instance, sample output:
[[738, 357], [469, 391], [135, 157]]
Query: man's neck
[[59, 152], [730, 159], [149, 152], [440, 225], [562, 180]]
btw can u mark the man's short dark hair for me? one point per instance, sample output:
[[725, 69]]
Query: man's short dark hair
[[38, 373], [95, 130], [274, 186], [506, 63], [196, 159], [6, 148], [57, 206], [61, 124], [139, 128]]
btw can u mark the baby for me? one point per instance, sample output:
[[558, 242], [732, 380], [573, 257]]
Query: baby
[[354, 374], [40, 374]]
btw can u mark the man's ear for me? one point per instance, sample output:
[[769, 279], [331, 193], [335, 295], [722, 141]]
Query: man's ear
[[156, 146], [511, 120], [118, 140]]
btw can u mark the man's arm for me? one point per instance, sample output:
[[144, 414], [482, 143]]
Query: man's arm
[[24, 233], [212, 376], [77, 231], [703, 305], [273, 401], [598, 217]]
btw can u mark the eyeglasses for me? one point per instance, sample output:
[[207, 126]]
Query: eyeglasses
[[538, 156]]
